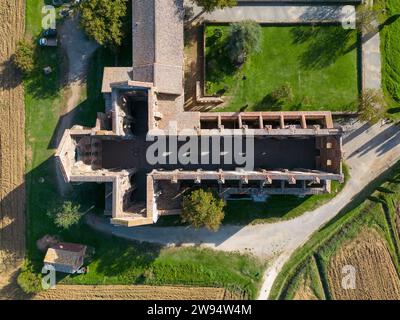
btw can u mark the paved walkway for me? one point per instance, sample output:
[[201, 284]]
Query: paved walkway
[[369, 152], [275, 14], [372, 67]]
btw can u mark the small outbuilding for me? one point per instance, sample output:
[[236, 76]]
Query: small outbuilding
[[66, 257]]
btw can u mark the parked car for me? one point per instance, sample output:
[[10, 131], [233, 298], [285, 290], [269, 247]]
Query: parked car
[[48, 42], [57, 3], [49, 33]]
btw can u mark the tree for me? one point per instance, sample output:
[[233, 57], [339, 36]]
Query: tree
[[67, 215], [211, 5], [203, 208], [23, 57], [371, 106], [103, 20], [244, 38]]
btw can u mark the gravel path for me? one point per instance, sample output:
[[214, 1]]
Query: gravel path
[[371, 60], [369, 152], [78, 49], [275, 14]]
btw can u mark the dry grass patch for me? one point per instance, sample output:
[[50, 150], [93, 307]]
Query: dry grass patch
[[304, 291]]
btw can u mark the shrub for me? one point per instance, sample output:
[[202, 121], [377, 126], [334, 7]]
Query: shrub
[[29, 281], [23, 58], [371, 106], [283, 94], [244, 38], [211, 5], [203, 208], [66, 215]]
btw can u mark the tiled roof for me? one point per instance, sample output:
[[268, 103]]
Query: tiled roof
[[158, 44], [113, 75], [65, 254]]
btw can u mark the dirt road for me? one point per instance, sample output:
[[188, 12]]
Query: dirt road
[[12, 142], [78, 49]]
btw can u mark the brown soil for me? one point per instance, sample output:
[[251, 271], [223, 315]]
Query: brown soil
[[376, 276], [123, 292], [12, 141]]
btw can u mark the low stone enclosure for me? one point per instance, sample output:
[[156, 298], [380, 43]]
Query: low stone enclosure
[[253, 153], [285, 13]]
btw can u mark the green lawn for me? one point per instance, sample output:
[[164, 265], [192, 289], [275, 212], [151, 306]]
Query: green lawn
[[319, 63], [390, 47], [116, 261], [375, 208]]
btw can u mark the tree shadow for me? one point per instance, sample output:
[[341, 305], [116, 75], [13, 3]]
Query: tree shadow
[[384, 190], [12, 291], [268, 103], [389, 21], [218, 63], [325, 45], [394, 110], [10, 77]]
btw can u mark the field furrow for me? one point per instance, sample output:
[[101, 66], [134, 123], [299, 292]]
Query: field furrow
[[12, 138]]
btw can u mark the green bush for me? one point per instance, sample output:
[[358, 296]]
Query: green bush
[[371, 106], [283, 94], [29, 281], [23, 58]]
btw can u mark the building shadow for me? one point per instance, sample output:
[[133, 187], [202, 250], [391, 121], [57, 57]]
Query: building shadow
[[354, 134], [383, 142]]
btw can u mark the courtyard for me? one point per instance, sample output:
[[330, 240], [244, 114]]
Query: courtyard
[[318, 63]]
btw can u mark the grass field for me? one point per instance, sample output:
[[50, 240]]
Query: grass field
[[116, 261], [319, 63], [360, 235], [390, 46]]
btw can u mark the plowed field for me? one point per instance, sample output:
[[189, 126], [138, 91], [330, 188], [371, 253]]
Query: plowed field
[[12, 139], [376, 276], [121, 292]]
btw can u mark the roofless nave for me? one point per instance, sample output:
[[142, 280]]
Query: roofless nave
[[294, 152]]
